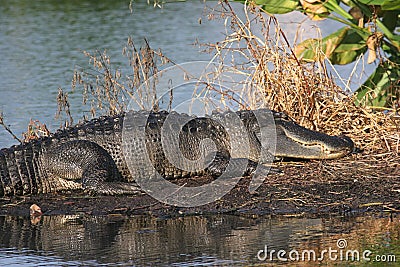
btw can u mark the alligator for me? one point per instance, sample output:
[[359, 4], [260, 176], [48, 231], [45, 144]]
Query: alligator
[[92, 155]]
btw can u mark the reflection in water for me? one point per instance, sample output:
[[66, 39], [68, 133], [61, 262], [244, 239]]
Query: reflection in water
[[184, 241]]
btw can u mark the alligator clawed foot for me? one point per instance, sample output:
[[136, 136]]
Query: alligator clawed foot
[[113, 188]]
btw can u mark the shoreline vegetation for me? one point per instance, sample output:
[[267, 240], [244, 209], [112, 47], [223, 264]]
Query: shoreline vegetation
[[368, 180]]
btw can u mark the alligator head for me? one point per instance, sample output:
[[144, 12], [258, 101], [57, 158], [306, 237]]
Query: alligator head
[[295, 141]]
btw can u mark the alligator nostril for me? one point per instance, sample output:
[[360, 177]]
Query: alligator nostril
[[349, 143]]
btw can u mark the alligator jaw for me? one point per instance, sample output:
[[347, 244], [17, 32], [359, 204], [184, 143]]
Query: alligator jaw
[[295, 141]]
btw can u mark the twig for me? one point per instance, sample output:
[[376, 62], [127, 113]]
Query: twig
[[8, 128]]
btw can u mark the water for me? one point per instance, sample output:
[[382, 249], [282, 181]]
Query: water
[[219, 240], [41, 43]]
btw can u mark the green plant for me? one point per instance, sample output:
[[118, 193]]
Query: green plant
[[371, 26]]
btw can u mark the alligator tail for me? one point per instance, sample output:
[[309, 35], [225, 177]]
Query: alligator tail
[[19, 171]]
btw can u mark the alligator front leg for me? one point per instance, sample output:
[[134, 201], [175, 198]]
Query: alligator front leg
[[86, 161], [240, 166]]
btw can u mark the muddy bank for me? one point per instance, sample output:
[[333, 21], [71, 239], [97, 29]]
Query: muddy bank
[[353, 184]]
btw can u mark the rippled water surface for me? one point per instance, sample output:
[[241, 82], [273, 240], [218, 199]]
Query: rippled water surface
[[41, 43], [219, 240]]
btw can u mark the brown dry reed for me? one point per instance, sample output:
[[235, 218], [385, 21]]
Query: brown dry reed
[[302, 90], [109, 90]]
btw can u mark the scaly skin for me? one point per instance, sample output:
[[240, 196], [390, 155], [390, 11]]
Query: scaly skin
[[91, 156]]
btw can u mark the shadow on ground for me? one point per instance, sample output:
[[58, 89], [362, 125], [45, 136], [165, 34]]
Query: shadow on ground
[[354, 184]]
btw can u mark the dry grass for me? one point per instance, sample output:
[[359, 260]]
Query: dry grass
[[303, 91], [36, 130], [107, 90]]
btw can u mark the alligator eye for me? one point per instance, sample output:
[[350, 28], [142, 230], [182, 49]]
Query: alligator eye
[[280, 115]]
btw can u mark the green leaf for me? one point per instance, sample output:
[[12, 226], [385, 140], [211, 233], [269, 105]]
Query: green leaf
[[278, 6], [372, 2], [381, 89], [390, 19], [374, 91], [341, 47], [334, 6], [349, 3], [310, 49], [352, 40], [346, 57], [351, 46], [391, 5], [385, 4]]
